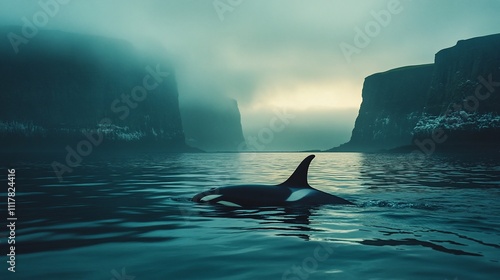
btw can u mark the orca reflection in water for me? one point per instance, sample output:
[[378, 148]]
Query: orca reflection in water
[[294, 191]]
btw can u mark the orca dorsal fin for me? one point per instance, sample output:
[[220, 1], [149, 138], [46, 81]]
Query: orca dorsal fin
[[299, 177]]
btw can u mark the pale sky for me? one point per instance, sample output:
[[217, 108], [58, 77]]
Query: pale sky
[[269, 54]]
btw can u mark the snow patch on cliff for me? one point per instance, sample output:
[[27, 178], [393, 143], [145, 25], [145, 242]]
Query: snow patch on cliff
[[459, 120], [21, 128], [123, 133]]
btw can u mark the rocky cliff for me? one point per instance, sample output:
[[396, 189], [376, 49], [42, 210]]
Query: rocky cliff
[[460, 70], [60, 87], [463, 102], [456, 98], [392, 104], [213, 125]]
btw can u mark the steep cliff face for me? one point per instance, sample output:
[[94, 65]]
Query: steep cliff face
[[392, 104], [459, 71], [61, 87], [457, 98], [464, 98], [213, 125]]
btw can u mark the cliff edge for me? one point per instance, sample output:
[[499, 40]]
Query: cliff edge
[[453, 102]]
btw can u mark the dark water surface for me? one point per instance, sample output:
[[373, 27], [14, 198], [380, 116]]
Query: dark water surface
[[131, 217]]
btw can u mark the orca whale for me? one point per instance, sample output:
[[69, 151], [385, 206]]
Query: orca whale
[[294, 191]]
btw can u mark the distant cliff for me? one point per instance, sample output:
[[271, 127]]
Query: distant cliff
[[392, 104], [457, 97], [213, 125], [62, 88]]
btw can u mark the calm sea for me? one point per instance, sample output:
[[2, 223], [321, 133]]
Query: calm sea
[[130, 217]]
